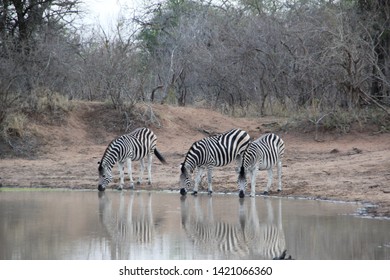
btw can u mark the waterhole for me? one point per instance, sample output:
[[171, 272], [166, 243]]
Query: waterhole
[[82, 225]]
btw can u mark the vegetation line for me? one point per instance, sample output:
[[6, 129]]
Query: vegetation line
[[301, 59]]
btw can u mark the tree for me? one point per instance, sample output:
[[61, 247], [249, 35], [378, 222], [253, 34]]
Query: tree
[[375, 16], [36, 48]]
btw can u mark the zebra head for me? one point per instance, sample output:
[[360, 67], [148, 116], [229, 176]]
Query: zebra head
[[185, 181], [241, 182], [105, 177]]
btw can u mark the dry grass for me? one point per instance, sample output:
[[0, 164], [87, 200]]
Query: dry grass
[[14, 125]]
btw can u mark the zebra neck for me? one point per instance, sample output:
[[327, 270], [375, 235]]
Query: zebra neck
[[195, 157], [108, 161], [189, 165]]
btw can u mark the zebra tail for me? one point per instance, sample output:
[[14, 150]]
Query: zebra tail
[[159, 156], [242, 172]]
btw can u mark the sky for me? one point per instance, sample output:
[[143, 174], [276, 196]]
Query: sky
[[105, 13], [102, 12]]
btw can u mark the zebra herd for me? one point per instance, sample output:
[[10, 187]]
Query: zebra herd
[[214, 151]]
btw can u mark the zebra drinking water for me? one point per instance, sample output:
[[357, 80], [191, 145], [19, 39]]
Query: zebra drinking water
[[126, 148], [261, 154], [218, 150]]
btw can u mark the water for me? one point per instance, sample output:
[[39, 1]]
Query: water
[[85, 225]]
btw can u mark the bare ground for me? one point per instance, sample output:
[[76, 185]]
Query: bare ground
[[352, 167]]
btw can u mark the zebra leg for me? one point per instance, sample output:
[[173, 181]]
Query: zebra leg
[[121, 175], [280, 176], [130, 173], [141, 171], [252, 175], [239, 163], [241, 182], [198, 178], [150, 160], [209, 179], [270, 179]]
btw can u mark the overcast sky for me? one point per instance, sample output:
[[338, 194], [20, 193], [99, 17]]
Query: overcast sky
[[103, 12]]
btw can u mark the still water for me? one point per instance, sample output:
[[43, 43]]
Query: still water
[[85, 225]]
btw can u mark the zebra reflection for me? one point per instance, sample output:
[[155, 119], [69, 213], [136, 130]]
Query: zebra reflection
[[215, 238], [266, 238], [245, 238], [128, 227]]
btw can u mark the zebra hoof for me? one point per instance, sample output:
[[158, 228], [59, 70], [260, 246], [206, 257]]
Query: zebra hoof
[[279, 191], [265, 193], [210, 192], [241, 194], [119, 188], [194, 193], [183, 191], [139, 183]]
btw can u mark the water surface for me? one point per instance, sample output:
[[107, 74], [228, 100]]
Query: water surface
[[159, 225]]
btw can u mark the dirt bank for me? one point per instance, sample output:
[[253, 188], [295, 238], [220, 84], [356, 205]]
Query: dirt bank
[[353, 167]]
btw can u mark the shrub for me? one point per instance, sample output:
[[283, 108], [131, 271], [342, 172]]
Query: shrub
[[46, 101], [14, 125]]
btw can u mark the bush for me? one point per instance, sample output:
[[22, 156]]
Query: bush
[[45, 101], [14, 125], [370, 119]]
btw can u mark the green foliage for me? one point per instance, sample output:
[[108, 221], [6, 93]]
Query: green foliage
[[165, 18]]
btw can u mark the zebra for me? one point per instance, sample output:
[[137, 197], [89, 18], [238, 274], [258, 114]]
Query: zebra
[[126, 148], [261, 154], [209, 152]]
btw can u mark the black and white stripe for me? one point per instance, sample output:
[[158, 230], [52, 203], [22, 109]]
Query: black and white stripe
[[212, 235], [220, 238], [251, 236], [265, 236], [130, 147], [129, 221], [209, 152], [261, 154]]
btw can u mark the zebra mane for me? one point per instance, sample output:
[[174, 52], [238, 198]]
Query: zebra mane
[[107, 159], [186, 161], [183, 169]]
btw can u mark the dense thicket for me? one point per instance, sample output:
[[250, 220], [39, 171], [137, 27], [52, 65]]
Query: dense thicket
[[315, 57]]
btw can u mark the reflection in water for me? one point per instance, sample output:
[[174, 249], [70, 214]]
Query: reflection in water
[[266, 236], [158, 225], [246, 237], [127, 228]]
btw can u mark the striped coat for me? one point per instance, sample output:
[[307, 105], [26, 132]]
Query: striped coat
[[134, 146], [210, 152], [261, 154]]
